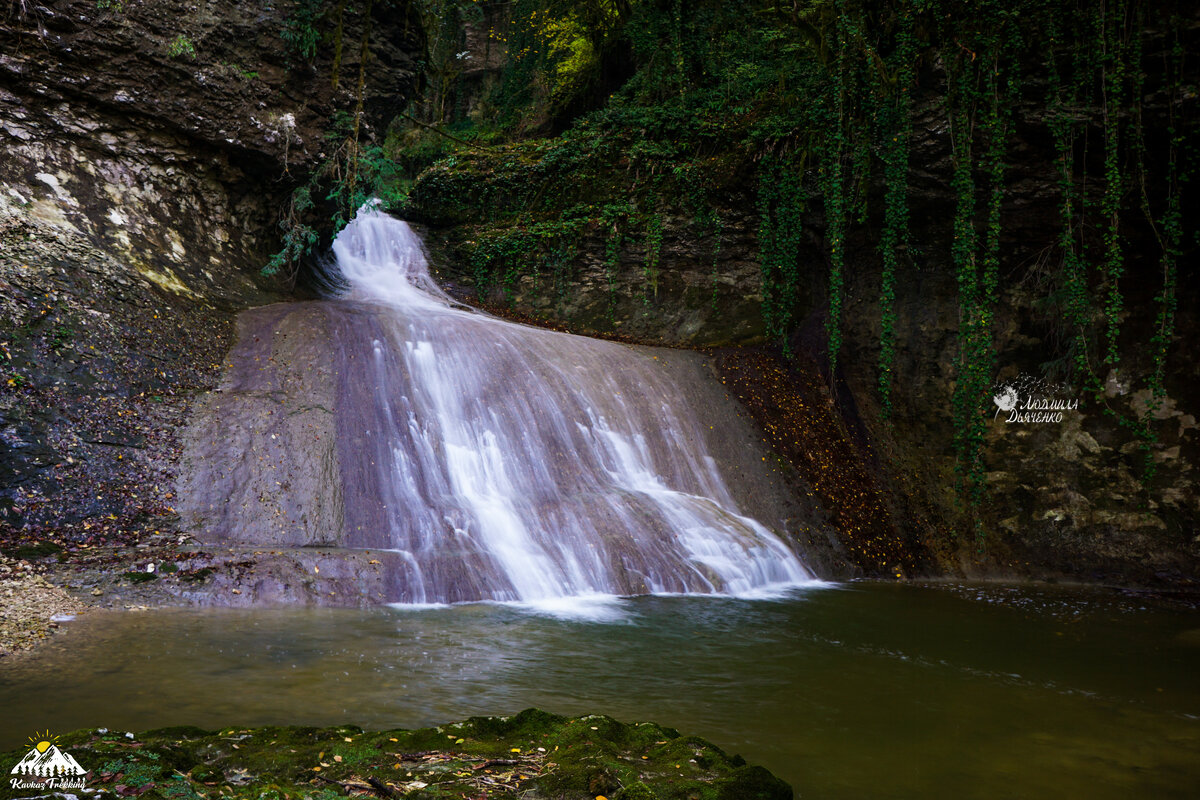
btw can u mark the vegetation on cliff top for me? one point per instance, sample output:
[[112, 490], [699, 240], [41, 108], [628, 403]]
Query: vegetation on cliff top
[[805, 111]]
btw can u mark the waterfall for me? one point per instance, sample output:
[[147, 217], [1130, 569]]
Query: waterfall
[[505, 462]]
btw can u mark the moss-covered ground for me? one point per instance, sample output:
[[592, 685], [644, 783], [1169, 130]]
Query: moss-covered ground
[[530, 755]]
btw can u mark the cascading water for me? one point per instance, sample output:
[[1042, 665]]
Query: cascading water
[[506, 462]]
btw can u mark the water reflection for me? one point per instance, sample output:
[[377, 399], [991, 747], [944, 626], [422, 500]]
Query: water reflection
[[862, 690]]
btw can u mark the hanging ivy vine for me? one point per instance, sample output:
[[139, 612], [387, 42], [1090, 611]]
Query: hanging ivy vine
[[614, 217], [894, 237], [780, 205], [653, 243], [716, 227], [1112, 265], [983, 84], [835, 188], [962, 255], [815, 104]]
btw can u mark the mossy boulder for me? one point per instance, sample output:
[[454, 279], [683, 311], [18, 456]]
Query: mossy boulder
[[533, 754]]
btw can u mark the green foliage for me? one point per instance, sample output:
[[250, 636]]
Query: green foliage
[[781, 202], [833, 181], [354, 173], [805, 110], [350, 176], [715, 226], [111, 5], [1112, 265], [614, 216], [242, 73], [181, 45], [1102, 88], [446, 55], [60, 337], [555, 51], [896, 119], [298, 238], [501, 255], [546, 756], [653, 244], [966, 400], [1064, 127], [301, 32], [984, 88], [180, 788], [137, 769]]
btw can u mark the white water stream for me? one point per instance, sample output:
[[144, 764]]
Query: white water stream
[[518, 464]]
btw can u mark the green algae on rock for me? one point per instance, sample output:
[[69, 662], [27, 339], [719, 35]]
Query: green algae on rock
[[532, 754]]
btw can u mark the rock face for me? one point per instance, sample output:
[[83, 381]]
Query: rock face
[[707, 292], [167, 133], [148, 147], [260, 464], [268, 466], [1068, 497]]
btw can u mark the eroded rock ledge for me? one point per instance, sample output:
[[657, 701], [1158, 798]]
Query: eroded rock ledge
[[139, 191]]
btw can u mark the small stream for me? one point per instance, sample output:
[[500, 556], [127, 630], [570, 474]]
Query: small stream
[[851, 691]]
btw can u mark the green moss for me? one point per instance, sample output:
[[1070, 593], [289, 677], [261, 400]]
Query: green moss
[[635, 791], [754, 783], [531, 753], [34, 550], [202, 574]]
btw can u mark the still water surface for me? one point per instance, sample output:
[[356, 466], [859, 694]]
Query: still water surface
[[860, 690]]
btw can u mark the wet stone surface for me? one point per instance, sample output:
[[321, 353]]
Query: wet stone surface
[[530, 755]]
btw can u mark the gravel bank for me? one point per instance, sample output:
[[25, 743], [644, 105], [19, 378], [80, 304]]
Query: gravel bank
[[28, 606]]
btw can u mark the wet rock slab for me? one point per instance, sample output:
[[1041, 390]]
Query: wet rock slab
[[169, 574], [531, 755], [323, 442]]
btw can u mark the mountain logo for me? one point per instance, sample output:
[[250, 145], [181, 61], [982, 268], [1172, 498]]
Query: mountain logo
[[47, 762]]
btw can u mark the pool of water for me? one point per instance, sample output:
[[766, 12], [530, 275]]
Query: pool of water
[[851, 691]]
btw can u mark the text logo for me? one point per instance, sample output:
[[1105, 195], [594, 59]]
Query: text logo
[[47, 767], [1026, 399]]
